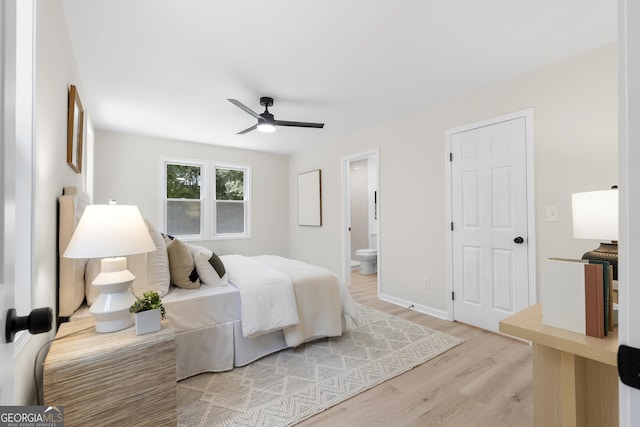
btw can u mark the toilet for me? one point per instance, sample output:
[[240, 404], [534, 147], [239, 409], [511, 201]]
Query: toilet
[[368, 259]]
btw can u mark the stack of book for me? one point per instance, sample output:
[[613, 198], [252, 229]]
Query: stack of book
[[577, 295]]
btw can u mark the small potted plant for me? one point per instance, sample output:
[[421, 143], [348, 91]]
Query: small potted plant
[[148, 311]]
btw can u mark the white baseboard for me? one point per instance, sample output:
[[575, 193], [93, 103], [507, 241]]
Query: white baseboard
[[417, 307]]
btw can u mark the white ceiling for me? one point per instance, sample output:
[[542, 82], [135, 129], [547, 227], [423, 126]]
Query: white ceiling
[[166, 67]]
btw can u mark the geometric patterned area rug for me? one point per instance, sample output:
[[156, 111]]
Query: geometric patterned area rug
[[289, 386]]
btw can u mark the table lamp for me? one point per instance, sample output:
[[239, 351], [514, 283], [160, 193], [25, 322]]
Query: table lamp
[[595, 216], [111, 232]]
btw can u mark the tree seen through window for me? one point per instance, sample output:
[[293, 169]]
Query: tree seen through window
[[183, 181], [229, 184]]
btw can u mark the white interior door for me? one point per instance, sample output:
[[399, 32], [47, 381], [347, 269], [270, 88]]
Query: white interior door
[[7, 189], [489, 206]]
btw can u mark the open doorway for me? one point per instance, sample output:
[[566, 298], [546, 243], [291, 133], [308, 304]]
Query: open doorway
[[361, 215]]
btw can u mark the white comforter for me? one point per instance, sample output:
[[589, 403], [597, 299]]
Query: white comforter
[[275, 290], [267, 299], [318, 299]]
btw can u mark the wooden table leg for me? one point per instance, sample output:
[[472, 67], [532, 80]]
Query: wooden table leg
[[554, 387], [571, 391]]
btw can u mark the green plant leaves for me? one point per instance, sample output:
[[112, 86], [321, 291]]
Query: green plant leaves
[[150, 301]]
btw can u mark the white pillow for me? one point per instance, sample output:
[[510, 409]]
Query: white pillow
[[151, 269], [91, 270], [205, 270], [196, 250]]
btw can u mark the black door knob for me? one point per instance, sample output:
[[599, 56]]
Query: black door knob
[[518, 240], [38, 321]]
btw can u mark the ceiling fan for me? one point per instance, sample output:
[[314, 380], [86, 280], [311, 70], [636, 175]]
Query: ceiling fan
[[266, 120]]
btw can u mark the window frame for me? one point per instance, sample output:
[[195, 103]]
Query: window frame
[[246, 169], [204, 203], [208, 199]]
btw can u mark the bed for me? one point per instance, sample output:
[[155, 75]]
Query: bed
[[222, 321]]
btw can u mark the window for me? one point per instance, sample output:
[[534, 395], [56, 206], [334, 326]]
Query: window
[[231, 210], [186, 200]]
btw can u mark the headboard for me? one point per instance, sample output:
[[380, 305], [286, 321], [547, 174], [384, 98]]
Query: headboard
[[71, 288]]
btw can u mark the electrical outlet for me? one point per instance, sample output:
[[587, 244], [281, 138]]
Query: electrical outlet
[[427, 283]]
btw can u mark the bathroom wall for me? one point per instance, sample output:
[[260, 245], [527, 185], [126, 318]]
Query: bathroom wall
[[359, 205], [372, 191]]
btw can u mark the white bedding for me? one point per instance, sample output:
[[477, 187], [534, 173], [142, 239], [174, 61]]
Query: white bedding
[[318, 299], [268, 302], [204, 321], [209, 324], [305, 301], [188, 309]]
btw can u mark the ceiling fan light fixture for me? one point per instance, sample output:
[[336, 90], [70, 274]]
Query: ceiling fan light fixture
[[266, 127], [266, 121]]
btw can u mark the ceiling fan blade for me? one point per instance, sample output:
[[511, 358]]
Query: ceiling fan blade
[[244, 107], [299, 124], [242, 132]]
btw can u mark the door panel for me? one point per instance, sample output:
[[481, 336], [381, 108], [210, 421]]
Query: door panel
[[489, 210], [501, 198], [470, 207], [502, 280], [471, 262]]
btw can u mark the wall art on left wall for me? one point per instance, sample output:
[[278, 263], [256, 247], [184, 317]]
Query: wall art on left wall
[[75, 130]]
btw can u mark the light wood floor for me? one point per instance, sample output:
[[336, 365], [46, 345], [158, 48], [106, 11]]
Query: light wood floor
[[484, 382]]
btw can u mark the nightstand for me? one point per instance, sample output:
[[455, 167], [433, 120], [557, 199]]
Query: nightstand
[[115, 378], [575, 377]]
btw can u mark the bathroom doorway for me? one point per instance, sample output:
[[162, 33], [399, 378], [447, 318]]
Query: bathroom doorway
[[361, 214]]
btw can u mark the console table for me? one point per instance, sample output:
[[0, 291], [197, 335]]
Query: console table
[[115, 378], [575, 377]]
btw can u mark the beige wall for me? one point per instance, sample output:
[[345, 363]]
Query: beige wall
[[359, 206], [575, 133], [128, 169]]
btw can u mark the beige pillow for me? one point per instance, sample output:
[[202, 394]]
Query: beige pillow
[[181, 266]]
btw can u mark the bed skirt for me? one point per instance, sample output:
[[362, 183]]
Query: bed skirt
[[209, 332]]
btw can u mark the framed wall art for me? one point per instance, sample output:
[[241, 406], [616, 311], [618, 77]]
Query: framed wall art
[[310, 198], [75, 130]]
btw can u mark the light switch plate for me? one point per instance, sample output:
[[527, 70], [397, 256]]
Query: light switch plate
[[552, 214]]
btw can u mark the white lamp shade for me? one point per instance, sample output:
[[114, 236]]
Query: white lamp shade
[[108, 231], [595, 215]]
